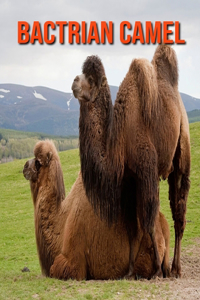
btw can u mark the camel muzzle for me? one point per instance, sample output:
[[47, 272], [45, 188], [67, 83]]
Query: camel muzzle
[[28, 170]]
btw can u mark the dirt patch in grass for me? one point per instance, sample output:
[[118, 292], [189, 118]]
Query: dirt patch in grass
[[187, 287]]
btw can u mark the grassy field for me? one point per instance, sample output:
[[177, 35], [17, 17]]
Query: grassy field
[[11, 133], [17, 239]]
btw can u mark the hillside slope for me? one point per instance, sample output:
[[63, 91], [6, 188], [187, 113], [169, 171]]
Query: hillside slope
[[47, 110]]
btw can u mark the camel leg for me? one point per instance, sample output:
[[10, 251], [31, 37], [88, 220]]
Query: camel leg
[[178, 192], [158, 268], [166, 234], [135, 244], [71, 262], [69, 267], [147, 195], [148, 199], [63, 269], [134, 250], [129, 216], [131, 274], [165, 265], [179, 185]]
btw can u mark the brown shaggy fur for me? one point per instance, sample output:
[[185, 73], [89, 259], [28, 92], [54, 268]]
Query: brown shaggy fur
[[125, 149], [72, 241]]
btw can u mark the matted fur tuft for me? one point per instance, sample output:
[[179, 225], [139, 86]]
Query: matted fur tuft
[[94, 67], [166, 64]]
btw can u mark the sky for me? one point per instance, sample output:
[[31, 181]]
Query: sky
[[55, 66]]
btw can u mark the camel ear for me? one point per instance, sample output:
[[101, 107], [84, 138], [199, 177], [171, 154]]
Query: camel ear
[[40, 159], [103, 80], [49, 156]]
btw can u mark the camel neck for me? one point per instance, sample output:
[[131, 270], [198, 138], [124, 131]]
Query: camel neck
[[101, 165], [47, 211]]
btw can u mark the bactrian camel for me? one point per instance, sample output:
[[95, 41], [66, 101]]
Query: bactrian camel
[[126, 148], [72, 241]]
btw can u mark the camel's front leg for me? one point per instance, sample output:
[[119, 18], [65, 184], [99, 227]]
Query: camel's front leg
[[65, 268], [147, 198]]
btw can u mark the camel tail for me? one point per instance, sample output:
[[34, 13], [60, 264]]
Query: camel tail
[[166, 64], [146, 82]]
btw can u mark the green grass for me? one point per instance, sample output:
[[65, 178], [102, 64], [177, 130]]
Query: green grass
[[15, 134], [17, 237]]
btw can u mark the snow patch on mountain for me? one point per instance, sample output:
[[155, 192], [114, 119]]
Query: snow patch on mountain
[[1, 96], [4, 91], [19, 97], [68, 102], [39, 96]]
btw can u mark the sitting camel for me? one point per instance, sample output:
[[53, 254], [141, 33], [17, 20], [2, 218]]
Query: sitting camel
[[72, 241]]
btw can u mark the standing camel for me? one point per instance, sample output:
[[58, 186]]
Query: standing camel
[[125, 149]]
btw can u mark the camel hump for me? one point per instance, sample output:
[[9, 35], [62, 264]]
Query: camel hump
[[166, 64], [146, 82]]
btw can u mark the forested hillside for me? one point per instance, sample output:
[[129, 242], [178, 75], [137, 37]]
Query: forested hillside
[[19, 144]]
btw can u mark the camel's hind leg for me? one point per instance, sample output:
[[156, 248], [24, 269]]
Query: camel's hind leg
[[179, 185]]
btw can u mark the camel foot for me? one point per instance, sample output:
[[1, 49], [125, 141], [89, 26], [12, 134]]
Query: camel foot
[[175, 273], [131, 276], [176, 269], [158, 273], [166, 272]]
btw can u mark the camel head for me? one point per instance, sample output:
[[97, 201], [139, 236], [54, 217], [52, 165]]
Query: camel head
[[31, 169], [34, 168], [87, 85], [45, 169]]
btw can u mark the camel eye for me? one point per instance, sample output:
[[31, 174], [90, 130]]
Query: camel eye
[[37, 165]]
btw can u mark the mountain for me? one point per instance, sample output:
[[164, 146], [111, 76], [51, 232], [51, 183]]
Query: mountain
[[47, 110], [190, 103], [38, 109]]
